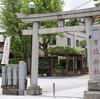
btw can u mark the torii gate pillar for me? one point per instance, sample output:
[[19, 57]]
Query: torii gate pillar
[[88, 25], [34, 89]]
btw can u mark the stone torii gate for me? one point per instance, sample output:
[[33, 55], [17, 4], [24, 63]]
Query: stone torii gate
[[60, 16]]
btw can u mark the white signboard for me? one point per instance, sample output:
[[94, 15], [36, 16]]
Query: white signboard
[[6, 51]]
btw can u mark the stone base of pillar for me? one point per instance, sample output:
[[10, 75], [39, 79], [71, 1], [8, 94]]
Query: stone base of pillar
[[34, 90], [92, 95], [93, 90], [93, 85]]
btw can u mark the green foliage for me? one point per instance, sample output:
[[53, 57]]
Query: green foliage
[[97, 2], [13, 61], [62, 62], [83, 44], [44, 64], [61, 49], [58, 66], [57, 49], [73, 22], [72, 50], [13, 27], [16, 60], [44, 6], [0, 64], [21, 44]]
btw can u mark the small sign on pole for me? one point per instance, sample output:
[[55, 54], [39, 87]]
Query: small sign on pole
[[6, 51]]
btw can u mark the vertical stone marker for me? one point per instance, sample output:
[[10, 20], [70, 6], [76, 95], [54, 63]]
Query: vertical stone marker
[[22, 77], [94, 83]]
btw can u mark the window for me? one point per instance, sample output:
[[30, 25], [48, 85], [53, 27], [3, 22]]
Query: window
[[69, 41], [53, 42], [77, 41]]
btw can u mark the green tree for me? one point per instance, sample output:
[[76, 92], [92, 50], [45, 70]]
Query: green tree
[[13, 27], [21, 44], [45, 6]]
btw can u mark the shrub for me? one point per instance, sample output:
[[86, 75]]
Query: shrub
[[44, 64], [58, 66], [16, 60], [62, 62]]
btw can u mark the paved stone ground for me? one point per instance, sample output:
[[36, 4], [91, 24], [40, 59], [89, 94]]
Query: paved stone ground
[[62, 83], [66, 88]]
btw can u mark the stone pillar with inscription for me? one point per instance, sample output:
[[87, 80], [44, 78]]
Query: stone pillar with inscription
[[94, 83]]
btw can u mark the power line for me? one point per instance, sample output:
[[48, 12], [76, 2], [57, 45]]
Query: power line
[[82, 4]]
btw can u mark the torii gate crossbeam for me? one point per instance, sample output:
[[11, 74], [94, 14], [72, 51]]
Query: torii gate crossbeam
[[95, 11]]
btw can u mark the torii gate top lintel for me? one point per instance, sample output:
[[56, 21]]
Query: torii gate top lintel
[[95, 11]]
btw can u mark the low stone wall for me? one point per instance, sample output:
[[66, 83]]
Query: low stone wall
[[10, 90], [13, 79]]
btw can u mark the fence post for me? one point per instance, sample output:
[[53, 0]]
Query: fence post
[[54, 90], [15, 78], [3, 75], [9, 75]]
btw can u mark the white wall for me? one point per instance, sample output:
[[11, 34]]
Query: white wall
[[74, 36]]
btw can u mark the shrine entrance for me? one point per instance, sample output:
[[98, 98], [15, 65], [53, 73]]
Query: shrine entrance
[[60, 17]]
